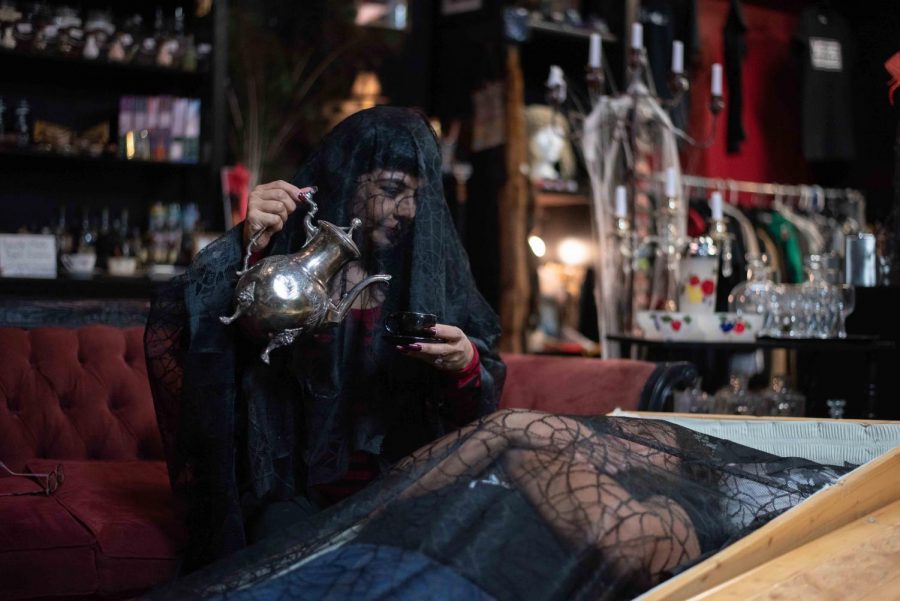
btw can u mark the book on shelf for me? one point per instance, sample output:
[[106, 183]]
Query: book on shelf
[[159, 128]]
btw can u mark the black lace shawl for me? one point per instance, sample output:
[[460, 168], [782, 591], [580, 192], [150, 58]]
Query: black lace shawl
[[239, 433]]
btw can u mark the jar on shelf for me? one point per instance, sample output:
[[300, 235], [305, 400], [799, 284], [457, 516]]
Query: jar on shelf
[[699, 272]]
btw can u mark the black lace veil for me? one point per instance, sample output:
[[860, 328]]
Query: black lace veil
[[239, 433]]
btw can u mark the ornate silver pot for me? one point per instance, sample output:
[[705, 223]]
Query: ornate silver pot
[[284, 296]]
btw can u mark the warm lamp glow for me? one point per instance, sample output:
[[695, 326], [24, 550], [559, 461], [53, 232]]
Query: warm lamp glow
[[574, 252], [537, 246]]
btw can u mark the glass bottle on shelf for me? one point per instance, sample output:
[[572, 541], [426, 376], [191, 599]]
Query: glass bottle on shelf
[[23, 33], [87, 238], [70, 31], [157, 250], [9, 18], [126, 42], [104, 241], [782, 400], [23, 124], [819, 296], [146, 53], [177, 42], [46, 40], [173, 233], [836, 408], [120, 246], [736, 398], [64, 238], [98, 31], [137, 248]]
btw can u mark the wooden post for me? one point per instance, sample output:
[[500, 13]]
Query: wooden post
[[513, 208]]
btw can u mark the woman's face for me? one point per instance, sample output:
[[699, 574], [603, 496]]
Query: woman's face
[[386, 202]]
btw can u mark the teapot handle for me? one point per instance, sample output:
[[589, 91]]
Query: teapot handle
[[306, 195], [249, 251]]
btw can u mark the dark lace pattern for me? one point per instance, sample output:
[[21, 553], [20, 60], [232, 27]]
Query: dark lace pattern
[[525, 505]]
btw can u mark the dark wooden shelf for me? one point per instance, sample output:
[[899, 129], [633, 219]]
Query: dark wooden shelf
[[19, 66], [11, 156], [832, 345], [89, 287], [541, 26], [547, 198]]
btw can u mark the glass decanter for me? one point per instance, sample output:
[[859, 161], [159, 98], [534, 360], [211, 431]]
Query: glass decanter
[[752, 295]]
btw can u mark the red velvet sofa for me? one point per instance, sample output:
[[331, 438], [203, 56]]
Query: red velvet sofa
[[80, 398]]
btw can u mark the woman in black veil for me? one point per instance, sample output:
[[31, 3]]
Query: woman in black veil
[[252, 446], [515, 505]]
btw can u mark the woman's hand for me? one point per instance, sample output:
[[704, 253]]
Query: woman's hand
[[453, 355], [268, 208]]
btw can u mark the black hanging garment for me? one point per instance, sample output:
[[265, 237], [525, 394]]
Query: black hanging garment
[[665, 21], [825, 45], [240, 435], [735, 37]]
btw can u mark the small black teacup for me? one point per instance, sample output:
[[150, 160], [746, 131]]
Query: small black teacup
[[410, 323]]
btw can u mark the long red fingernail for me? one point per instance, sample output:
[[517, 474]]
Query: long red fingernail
[[414, 347]]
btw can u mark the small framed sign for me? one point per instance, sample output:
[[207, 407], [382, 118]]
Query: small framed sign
[[27, 255], [452, 7]]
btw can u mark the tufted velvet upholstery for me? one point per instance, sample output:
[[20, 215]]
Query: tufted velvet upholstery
[[80, 397], [573, 385], [75, 394]]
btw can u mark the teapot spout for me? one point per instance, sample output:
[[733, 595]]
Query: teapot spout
[[337, 312]]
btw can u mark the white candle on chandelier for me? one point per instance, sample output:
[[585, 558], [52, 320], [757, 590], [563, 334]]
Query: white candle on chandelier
[[596, 51], [716, 80], [637, 36], [621, 202], [715, 203], [671, 183], [677, 57], [556, 77]]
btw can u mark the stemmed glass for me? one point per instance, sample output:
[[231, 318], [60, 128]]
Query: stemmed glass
[[847, 302]]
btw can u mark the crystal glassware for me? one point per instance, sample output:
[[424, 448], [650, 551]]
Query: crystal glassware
[[846, 304], [818, 298]]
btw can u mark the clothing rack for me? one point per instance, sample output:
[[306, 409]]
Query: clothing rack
[[845, 201], [771, 189]]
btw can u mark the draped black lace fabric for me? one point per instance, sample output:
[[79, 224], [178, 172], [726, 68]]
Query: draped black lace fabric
[[239, 434], [524, 505]]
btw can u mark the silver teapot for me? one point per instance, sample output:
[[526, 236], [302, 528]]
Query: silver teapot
[[283, 296]]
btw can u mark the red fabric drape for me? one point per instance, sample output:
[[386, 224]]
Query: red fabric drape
[[771, 115]]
